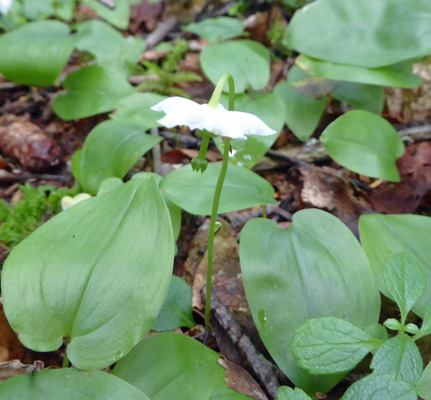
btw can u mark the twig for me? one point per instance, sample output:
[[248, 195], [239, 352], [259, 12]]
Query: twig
[[157, 153], [9, 177], [162, 29], [108, 4]]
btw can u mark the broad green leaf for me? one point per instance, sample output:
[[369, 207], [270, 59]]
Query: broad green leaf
[[302, 113], [109, 184], [399, 356], [380, 387], [35, 53], [424, 385], [365, 143], [176, 311], [287, 287], [405, 281], [247, 61], [69, 384], [287, 393], [269, 108], [426, 323], [362, 33], [331, 345], [364, 97], [216, 29], [377, 331], [137, 108], [111, 49], [398, 75], [385, 235], [172, 366], [174, 210], [119, 16], [194, 191], [110, 150], [96, 274], [91, 90]]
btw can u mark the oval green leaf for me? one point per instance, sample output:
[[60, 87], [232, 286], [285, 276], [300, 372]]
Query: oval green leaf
[[399, 356], [194, 191], [192, 372], [69, 384], [398, 75], [269, 108], [91, 90], [287, 393], [36, 53], [385, 235], [318, 270], [424, 385], [216, 29], [110, 150], [96, 274], [362, 32], [365, 143], [380, 387], [331, 345], [247, 61], [118, 16], [405, 281]]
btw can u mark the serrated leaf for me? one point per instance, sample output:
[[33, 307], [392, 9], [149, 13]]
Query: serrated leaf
[[269, 108], [399, 356], [373, 40], [71, 384], [96, 274], [398, 75], [137, 108], [385, 235], [36, 53], [192, 372], [287, 393], [91, 90], [380, 387], [216, 29], [247, 61], [194, 192], [424, 385], [176, 311], [365, 143], [405, 281], [110, 150], [330, 345], [287, 287]]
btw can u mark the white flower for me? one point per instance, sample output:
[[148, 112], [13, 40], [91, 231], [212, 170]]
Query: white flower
[[68, 201], [221, 122], [5, 5]]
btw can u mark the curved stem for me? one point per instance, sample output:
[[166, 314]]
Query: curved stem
[[215, 98], [211, 232]]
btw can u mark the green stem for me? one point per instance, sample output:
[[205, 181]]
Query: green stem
[[264, 215], [211, 232], [66, 362], [215, 98]]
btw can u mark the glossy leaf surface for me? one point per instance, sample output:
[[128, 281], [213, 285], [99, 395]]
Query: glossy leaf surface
[[270, 109], [96, 274], [318, 270], [247, 61], [192, 372], [399, 356], [365, 143], [36, 53], [91, 90], [385, 235], [405, 281], [373, 40], [110, 150], [331, 345], [398, 75], [380, 387], [70, 384], [176, 311], [194, 192], [216, 29]]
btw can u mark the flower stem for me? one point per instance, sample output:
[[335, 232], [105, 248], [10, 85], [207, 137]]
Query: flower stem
[[211, 232], [65, 361]]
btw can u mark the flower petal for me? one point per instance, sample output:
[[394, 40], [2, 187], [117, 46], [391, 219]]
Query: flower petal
[[179, 111]]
